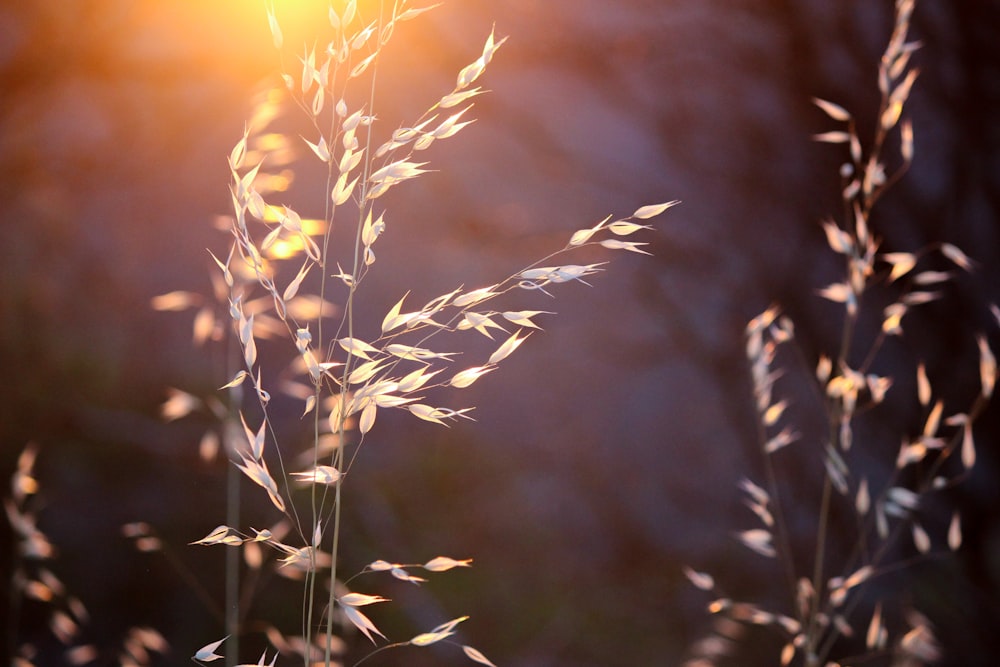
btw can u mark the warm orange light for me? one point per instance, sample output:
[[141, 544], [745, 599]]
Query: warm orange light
[[286, 248], [290, 245], [300, 20], [295, 14]]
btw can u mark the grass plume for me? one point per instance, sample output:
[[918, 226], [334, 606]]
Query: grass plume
[[832, 618]]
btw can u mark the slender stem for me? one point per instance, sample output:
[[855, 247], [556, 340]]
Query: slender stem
[[349, 317], [779, 514], [233, 567], [812, 658], [233, 477], [334, 549], [338, 464]]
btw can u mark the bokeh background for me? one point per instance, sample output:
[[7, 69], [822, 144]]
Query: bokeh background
[[606, 453]]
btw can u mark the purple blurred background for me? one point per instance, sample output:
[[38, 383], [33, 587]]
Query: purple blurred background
[[607, 451]]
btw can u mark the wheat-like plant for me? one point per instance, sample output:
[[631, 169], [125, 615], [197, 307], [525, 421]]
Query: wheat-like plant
[[832, 619], [345, 371], [33, 581]]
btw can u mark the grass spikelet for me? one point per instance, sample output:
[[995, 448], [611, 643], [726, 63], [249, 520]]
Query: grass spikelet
[[824, 605], [290, 286]]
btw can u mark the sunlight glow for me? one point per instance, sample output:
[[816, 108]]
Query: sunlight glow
[[290, 245], [298, 18]]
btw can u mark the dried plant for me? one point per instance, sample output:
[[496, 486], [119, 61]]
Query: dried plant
[[345, 371], [33, 582], [832, 601]]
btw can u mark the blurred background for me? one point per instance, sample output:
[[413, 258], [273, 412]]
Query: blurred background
[[606, 453]]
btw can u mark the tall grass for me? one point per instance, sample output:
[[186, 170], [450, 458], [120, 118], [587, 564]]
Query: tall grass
[[837, 612], [35, 584], [289, 314], [297, 282]]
